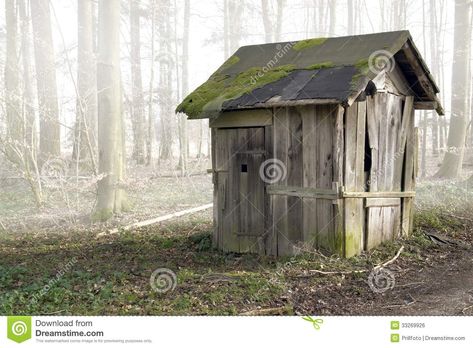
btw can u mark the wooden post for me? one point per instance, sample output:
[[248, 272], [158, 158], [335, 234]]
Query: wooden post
[[338, 154], [410, 164]]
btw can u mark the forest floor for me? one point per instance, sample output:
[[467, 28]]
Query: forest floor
[[47, 270]]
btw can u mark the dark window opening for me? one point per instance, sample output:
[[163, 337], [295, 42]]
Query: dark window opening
[[368, 161], [244, 168]]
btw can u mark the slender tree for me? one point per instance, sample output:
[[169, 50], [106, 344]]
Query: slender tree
[[452, 162], [150, 126], [137, 117], [351, 17], [165, 82], [12, 84], [49, 142], [272, 30], [28, 93], [111, 194], [183, 141], [434, 64], [85, 140]]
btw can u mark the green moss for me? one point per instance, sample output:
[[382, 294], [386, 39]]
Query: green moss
[[193, 104], [229, 62], [220, 88], [303, 44], [362, 65], [321, 65]]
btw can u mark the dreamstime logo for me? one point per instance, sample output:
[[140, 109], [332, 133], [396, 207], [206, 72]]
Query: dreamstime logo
[[163, 280], [19, 329], [380, 60], [272, 170], [381, 280]]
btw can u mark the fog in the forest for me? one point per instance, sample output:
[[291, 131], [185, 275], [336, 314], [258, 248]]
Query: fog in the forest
[[64, 100]]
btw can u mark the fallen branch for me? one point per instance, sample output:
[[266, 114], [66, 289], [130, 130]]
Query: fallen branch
[[392, 260], [464, 310], [381, 265], [334, 272], [156, 220]]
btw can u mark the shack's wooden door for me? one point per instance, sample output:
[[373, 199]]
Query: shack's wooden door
[[239, 155]]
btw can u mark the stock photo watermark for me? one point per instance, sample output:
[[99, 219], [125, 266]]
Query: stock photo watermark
[[381, 280], [53, 281], [163, 280]]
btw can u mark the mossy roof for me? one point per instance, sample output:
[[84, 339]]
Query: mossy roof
[[332, 69]]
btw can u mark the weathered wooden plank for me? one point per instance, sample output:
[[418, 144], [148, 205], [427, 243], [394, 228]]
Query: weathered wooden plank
[[408, 176], [309, 168], [354, 177], [243, 118], [231, 221], [222, 150], [426, 105], [376, 134], [423, 75], [215, 235], [294, 176], [325, 211], [382, 202], [398, 81], [394, 124], [338, 177], [350, 143], [304, 192], [251, 202], [269, 239], [280, 206], [379, 194]]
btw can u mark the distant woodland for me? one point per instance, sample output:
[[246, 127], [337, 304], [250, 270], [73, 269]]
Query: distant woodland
[[90, 86]]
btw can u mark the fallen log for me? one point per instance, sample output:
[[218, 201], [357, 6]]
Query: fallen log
[[156, 220]]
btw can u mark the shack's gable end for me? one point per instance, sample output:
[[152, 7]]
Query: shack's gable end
[[332, 70]]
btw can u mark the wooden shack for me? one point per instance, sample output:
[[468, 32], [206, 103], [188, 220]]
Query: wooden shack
[[314, 144]]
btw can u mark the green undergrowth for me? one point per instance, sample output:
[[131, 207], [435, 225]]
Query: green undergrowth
[[111, 275]]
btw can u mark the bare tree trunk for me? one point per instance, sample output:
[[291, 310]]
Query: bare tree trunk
[[351, 24], [434, 52], [137, 116], [279, 18], [28, 93], [268, 26], [226, 25], [452, 162], [423, 168], [272, 31], [333, 17], [14, 119], [165, 82], [111, 194], [150, 132], [50, 142], [85, 141], [183, 138], [233, 24]]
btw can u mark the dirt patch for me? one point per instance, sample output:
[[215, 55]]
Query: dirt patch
[[441, 284]]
